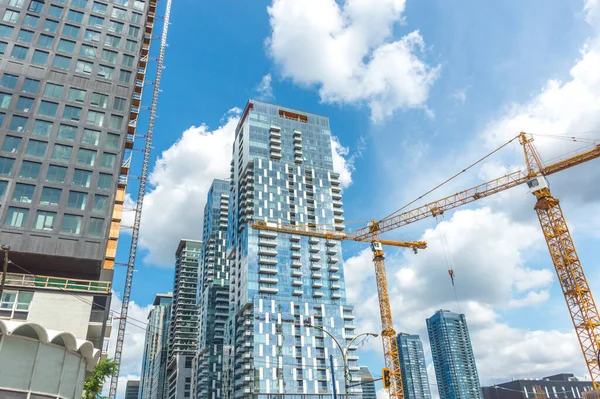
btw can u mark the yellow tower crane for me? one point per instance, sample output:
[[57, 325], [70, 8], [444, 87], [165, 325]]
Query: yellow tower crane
[[568, 267]]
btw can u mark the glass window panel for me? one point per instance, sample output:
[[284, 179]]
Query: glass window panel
[[51, 196], [75, 16], [6, 31], [17, 123], [96, 227], [30, 170], [90, 137], [112, 41], [11, 144], [95, 118], [42, 128], [36, 148], [19, 52], [6, 165], [116, 122], [23, 193], [87, 51], [92, 36], [35, 6], [53, 90], [71, 224], [106, 71], [119, 104], [55, 11], [61, 62], [99, 7], [48, 108], [24, 104], [56, 174], [5, 100], [31, 21], [99, 100], [104, 181], [2, 118], [82, 178], [3, 47], [112, 141], [134, 31], [16, 3], [50, 26], [67, 132], [122, 2], [9, 81], [128, 60], [31, 85], [124, 76], [84, 67], [109, 56], [16, 217], [44, 220], [114, 26], [96, 21], [3, 186], [79, 3], [100, 203], [77, 200], [76, 95], [139, 5], [62, 152], [71, 31], [45, 41], [130, 45], [72, 113], [11, 16], [66, 45], [25, 36], [136, 18], [86, 157], [119, 13], [108, 160]]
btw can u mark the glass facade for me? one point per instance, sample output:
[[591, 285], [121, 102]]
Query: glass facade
[[413, 366], [154, 363], [213, 292], [368, 385], [453, 360], [280, 284]]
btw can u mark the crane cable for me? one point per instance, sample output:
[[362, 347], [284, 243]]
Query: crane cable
[[449, 263]]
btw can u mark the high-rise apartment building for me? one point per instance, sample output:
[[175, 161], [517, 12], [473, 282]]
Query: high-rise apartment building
[[132, 389], [156, 348], [183, 334], [282, 284], [453, 360], [213, 292], [367, 384], [413, 366], [71, 80]]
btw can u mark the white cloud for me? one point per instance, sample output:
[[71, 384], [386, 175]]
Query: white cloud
[[592, 10], [264, 89], [348, 51], [133, 347], [342, 164], [460, 95]]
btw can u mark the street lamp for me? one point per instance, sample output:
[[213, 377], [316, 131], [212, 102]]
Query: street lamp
[[344, 352], [5, 248]]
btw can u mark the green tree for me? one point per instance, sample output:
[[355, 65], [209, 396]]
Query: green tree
[[93, 384]]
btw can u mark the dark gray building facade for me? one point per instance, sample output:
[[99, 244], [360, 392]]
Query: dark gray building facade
[[367, 384], [561, 386]]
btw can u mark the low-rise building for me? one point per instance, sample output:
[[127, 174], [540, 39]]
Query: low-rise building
[[563, 385]]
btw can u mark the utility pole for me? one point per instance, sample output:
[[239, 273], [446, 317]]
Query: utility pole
[[5, 248]]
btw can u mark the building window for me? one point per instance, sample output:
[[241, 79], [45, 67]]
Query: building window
[[84, 67], [87, 51], [3, 47], [136, 18], [100, 203], [3, 186], [25, 36], [99, 100], [15, 304], [40, 57], [134, 31], [79, 3], [130, 45], [62, 153], [124, 76], [90, 137], [36, 148], [99, 8], [95, 118], [92, 36], [119, 13], [112, 41], [56, 174], [104, 181], [66, 132], [44, 220], [6, 165], [55, 11], [128, 60], [139, 5], [42, 128], [116, 27], [16, 3], [23, 193], [53, 90], [105, 71], [61, 62], [50, 26], [48, 108], [31, 85], [76, 95], [112, 141], [19, 52], [71, 224], [51, 196], [96, 227], [82, 178], [109, 56], [96, 21], [45, 41], [5, 100], [2, 115], [108, 160], [75, 16], [86, 157], [77, 200], [24, 104], [31, 21], [6, 31], [66, 45], [17, 123], [71, 31], [11, 16], [16, 217], [30, 170], [8, 81], [35, 6], [72, 113], [11, 144], [116, 122]]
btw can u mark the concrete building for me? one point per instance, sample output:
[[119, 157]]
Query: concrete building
[[282, 171], [213, 293], [183, 331], [367, 384], [555, 386], [413, 366], [70, 90], [36, 362], [156, 348], [453, 360], [132, 389]]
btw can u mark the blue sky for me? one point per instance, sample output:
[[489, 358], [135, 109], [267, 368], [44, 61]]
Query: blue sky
[[415, 92]]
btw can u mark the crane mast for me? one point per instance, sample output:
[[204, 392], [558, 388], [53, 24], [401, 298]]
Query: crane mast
[[139, 204]]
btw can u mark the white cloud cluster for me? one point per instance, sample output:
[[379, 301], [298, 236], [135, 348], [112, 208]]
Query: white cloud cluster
[[264, 89], [348, 51], [342, 163]]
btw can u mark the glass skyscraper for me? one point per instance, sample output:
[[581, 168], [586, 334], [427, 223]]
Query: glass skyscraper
[[281, 284], [413, 366], [367, 384], [156, 348], [213, 292], [455, 368]]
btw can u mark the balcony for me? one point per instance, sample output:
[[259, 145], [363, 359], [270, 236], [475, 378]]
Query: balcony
[[313, 240], [297, 283], [332, 260], [267, 234], [267, 261], [28, 280], [295, 255], [334, 277], [336, 295], [316, 275], [315, 266], [297, 292], [268, 280], [268, 289], [317, 294], [295, 247], [267, 252], [317, 284], [348, 315], [335, 286], [314, 249], [296, 273], [267, 243], [296, 264], [267, 270], [294, 238], [332, 251], [315, 258]]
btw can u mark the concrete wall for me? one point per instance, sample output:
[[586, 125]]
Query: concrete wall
[[73, 317]]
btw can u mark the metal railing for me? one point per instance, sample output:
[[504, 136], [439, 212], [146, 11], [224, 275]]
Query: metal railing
[[34, 281]]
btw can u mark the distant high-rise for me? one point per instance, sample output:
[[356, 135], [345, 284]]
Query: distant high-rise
[[183, 334], [213, 292], [413, 366], [282, 171], [367, 384], [455, 368], [71, 81], [156, 347], [132, 389]]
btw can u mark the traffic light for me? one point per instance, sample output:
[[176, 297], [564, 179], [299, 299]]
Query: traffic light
[[386, 375]]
